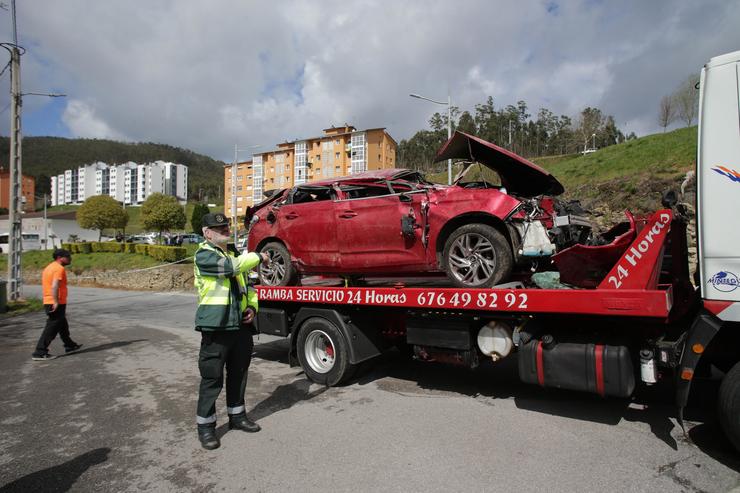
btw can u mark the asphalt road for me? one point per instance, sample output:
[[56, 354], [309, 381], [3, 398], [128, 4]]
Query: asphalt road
[[119, 416]]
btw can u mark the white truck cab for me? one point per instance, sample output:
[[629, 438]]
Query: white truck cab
[[718, 180]]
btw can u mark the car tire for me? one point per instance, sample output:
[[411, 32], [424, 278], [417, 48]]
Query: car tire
[[280, 270], [323, 352], [477, 256], [728, 405]]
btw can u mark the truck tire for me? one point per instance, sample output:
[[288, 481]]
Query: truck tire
[[729, 405], [323, 352], [280, 271], [477, 256]]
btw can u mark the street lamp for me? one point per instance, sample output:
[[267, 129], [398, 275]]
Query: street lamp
[[593, 145], [233, 190], [449, 127]]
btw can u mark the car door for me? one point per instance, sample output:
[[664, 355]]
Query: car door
[[307, 226], [369, 232]]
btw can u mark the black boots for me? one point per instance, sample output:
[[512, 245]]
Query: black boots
[[242, 422], [207, 436], [207, 433]]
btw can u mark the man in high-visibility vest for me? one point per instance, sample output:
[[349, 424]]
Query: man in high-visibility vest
[[227, 306]]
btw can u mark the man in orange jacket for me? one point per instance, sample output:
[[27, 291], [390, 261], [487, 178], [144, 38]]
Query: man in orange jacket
[[54, 286]]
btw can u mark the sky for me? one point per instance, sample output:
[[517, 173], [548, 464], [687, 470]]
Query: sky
[[211, 75]]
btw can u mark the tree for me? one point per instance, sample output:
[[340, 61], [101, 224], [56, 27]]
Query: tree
[[162, 212], [196, 219], [466, 123], [100, 212], [666, 111], [687, 100]]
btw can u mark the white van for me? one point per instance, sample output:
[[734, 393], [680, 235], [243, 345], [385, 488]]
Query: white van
[[29, 241]]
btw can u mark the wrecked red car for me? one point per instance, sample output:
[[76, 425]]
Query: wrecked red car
[[395, 223]]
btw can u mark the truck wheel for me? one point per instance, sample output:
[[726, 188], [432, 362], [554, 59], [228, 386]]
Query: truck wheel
[[280, 271], [477, 256], [729, 405], [323, 352]]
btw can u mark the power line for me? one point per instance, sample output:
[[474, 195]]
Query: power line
[[4, 69]]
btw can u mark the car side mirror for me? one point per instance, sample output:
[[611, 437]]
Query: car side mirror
[[404, 198]]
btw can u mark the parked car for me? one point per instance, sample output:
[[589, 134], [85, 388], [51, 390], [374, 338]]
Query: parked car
[[191, 238], [139, 239], [393, 222]]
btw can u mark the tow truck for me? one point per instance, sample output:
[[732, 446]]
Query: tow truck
[[643, 321]]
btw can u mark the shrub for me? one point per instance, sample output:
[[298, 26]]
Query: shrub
[[167, 253], [106, 246], [157, 252]]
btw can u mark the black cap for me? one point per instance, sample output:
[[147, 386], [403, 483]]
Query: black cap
[[61, 252], [214, 220]]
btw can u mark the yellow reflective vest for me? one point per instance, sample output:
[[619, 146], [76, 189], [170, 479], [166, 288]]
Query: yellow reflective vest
[[223, 292]]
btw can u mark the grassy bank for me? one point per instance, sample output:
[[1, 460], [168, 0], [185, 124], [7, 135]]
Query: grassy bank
[[23, 306], [630, 175]]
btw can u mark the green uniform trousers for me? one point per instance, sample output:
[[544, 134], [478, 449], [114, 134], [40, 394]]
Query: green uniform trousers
[[231, 349]]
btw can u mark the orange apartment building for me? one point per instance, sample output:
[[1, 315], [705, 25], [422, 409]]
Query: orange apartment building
[[28, 189], [341, 151]]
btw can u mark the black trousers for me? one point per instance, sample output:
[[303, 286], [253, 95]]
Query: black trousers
[[229, 349], [56, 323]]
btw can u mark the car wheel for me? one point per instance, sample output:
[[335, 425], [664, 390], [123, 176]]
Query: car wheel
[[477, 256], [728, 405], [323, 352], [279, 271]]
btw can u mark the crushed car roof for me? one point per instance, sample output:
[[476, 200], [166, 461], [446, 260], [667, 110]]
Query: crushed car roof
[[517, 174], [367, 177]]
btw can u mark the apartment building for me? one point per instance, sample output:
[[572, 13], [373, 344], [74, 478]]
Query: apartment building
[[129, 183], [28, 189], [340, 151]]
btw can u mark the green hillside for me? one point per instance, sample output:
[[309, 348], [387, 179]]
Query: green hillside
[[44, 157], [630, 175]]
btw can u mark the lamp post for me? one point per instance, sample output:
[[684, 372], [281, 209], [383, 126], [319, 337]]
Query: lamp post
[[593, 142], [449, 127], [233, 189]]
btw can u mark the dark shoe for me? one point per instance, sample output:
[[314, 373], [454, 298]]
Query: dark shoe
[[207, 436], [72, 349], [242, 422], [43, 357]]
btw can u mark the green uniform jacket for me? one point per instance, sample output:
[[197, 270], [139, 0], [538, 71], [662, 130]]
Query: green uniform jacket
[[223, 293]]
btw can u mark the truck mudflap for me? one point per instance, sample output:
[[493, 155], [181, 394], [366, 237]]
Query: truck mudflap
[[597, 368], [703, 329]]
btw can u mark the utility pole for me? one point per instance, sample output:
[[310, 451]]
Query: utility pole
[[46, 230], [16, 175], [509, 134]]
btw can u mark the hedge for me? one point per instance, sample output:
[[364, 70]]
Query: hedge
[[158, 252], [167, 253]]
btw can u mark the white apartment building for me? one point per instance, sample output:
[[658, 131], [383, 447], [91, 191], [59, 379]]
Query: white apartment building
[[130, 183]]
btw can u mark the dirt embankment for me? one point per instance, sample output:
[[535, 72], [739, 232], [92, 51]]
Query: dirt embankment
[[169, 278], [607, 202]]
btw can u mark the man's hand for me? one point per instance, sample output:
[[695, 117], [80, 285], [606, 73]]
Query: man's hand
[[265, 257], [54, 306], [248, 317]]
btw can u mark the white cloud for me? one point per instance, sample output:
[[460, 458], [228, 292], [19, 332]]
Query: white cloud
[[206, 76], [81, 120]]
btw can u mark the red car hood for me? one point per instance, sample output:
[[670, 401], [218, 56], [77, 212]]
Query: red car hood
[[518, 175]]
